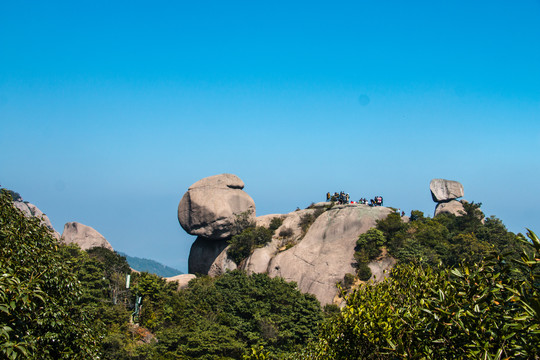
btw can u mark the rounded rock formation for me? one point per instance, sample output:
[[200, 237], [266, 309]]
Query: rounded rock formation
[[453, 207], [444, 190], [210, 206], [84, 236]]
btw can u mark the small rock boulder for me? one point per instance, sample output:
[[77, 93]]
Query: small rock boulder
[[444, 190], [84, 236], [210, 206], [182, 279]]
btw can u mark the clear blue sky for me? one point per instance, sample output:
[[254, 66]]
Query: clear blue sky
[[109, 111]]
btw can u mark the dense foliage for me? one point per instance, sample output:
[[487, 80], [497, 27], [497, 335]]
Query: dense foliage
[[464, 288], [481, 310], [243, 311], [40, 311], [241, 245], [445, 239]]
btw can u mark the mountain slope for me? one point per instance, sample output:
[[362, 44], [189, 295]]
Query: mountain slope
[[151, 266]]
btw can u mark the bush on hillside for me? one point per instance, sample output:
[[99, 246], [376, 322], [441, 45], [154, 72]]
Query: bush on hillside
[[477, 311], [40, 315], [241, 245]]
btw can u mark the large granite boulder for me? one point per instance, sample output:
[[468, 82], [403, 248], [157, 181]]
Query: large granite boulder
[[84, 236], [31, 210], [453, 207], [444, 190], [210, 206], [326, 252]]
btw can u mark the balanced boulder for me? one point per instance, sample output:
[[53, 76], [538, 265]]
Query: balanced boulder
[[210, 206], [444, 190], [84, 236]]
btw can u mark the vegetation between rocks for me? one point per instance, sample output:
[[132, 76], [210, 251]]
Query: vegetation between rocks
[[462, 289]]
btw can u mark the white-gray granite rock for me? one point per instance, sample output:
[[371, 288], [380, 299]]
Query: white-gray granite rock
[[326, 253], [445, 190], [210, 206], [453, 207], [84, 236], [221, 265]]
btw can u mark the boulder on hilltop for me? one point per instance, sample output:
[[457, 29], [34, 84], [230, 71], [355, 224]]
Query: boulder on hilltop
[[210, 206], [445, 190], [84, 236]]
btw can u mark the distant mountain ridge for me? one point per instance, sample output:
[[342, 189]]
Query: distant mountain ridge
[[151, 266]]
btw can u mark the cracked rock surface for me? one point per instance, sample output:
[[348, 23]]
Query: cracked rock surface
[[326, 253]]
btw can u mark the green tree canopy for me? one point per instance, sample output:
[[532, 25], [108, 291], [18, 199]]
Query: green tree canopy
[[39, 294]]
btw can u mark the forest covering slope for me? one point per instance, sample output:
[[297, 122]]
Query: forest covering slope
[[463, 288]]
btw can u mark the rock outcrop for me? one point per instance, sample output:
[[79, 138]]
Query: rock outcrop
[[326, 253], [203, 254], [84, 236], [445, 190], [444, 193], [454, 207], [210, 206], [31, 210], [182, 279]]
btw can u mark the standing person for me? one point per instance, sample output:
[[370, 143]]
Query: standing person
[[328, 196]]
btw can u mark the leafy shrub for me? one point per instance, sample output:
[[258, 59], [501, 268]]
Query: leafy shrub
[[348, 280], [363, 272], [241, 245], [286, 232], [275, 224], [417, 215], [40, 314], [242, 221], [372, 242], [308, 219], [223, 317], [331, 310], [478, 311]]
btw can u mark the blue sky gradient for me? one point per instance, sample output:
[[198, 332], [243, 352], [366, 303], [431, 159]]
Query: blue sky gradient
[[109, 112]]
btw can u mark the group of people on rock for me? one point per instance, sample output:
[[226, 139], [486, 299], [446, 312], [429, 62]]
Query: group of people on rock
[[340, 198], [343, 198]]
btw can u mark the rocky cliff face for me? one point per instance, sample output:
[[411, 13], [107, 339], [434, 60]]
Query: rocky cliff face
[[324, 255], [316, 260]]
